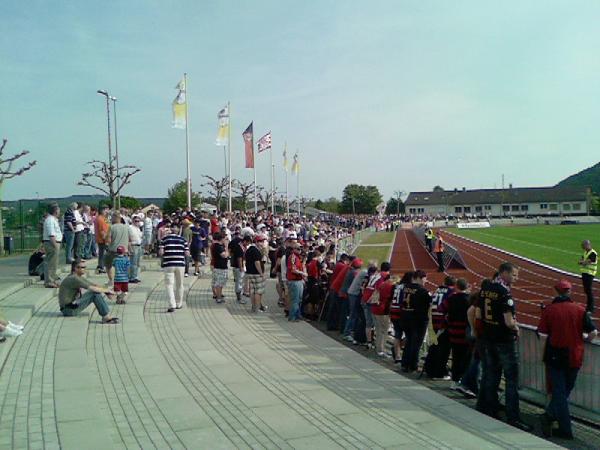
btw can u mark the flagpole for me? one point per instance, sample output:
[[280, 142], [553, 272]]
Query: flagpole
[[298, 182], [187, 145], [229, 153], [254, 168], [287, 197], [272, 182]]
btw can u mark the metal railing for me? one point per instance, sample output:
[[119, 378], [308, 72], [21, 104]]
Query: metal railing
[[532, 373]]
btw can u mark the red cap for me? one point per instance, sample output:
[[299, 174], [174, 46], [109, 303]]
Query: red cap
[[260, 237], [121, 250], [563, 286], [357, 263]]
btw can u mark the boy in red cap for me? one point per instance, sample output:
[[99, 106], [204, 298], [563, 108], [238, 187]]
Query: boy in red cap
[[565, 323], [121, 264]]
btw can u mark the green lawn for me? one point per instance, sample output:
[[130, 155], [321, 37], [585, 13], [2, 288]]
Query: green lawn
[[381, 237], [556, 245], [378, 253]]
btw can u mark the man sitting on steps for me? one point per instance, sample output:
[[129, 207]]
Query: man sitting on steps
[[71, 301]]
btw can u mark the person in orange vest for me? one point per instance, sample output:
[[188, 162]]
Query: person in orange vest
[[438, 249]]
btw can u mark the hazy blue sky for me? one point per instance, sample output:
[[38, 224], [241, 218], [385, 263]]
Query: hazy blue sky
[[400, 94]]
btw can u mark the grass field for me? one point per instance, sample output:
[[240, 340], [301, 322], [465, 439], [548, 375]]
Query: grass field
[[378, 254], [556, 245], [381, 237]]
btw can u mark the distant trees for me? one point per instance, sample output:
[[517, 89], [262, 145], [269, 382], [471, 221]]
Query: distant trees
[[177, 197], [438, 188], [216, 189], [102, 176], [359, 199]]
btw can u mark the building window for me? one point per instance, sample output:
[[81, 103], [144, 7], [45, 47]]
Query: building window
[[488, 207], [524, 207], [514, 207], [412, 210], [576, 206], [478, 209], [543, 205], [566, 207], [506, 208], [458, 209], [467, 209], [553, 206], [421, 210]]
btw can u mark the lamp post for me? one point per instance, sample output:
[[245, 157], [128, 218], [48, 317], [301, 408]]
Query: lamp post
[[118, 196], [110, 164]]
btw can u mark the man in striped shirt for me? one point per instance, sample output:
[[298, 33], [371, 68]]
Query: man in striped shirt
[[173, 249]]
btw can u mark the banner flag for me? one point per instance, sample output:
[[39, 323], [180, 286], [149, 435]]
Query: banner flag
[[264, 143], [248, 136], [223, 133], [296, 164], [179, 106], [285, 161]]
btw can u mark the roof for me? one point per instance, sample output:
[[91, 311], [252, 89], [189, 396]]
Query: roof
[[498, 196]]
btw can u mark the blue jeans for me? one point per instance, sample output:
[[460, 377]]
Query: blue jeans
[[296, 289], [85, 301], [470, 378], [415, 333], [352, 301], [89, 246], [134, 268], [501, 357], [69, 240], [563, 382]]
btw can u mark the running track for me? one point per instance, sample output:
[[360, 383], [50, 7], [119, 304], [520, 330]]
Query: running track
[[533, 287]]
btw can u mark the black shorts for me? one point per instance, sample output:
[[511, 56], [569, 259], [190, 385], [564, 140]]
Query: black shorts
[[398, 329], [195, 254]]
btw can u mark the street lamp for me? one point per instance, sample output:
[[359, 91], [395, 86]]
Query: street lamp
[[114, 100], [110, 165]]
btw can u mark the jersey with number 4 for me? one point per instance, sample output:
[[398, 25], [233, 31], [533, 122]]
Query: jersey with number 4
[[415, 303], [494, 301]]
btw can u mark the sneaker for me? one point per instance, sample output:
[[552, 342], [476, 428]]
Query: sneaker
[[383, 355], [170, 310], [368, 345], [348, 338], [220, 300], [454, 386], [262, 308], [354, 342], [444, 378], [242, 301], [11, 332], [196, 274], [523, 426], [186, 275], [16, 326]]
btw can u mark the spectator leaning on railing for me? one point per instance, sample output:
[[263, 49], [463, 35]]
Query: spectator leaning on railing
[[565, 323]]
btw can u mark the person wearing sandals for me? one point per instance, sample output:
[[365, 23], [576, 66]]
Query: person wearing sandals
[[121, 264], [71, 301]]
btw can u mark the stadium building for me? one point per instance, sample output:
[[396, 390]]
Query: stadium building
[[510, 202]]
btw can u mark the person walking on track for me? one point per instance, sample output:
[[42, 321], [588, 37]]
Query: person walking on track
[[589, 266], [438, 249]]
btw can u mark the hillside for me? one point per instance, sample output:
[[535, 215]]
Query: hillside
[[587, 177]]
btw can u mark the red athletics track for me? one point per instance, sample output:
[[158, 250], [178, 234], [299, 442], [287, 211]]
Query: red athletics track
[[533, 286]]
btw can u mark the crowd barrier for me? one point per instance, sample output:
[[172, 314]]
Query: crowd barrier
[[585, 398], [452, 257]]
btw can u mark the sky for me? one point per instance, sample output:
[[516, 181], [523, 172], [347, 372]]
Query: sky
[[404, 95]]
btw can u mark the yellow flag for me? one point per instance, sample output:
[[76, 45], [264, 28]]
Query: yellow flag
[[285, 161], [296, 164], [223, 133], [179, 107]]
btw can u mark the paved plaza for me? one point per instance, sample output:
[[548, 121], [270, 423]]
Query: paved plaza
[[211, 376]]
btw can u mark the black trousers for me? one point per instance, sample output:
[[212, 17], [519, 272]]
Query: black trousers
[[588, 281], [461, 355], [440, 261], [415, 332], [436, 360]]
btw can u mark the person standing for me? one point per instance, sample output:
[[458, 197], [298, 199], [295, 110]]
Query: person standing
[[255, 272], [396, 313], [69, 232], [438, 353], [102, 237], [456, 306], [52, 237], [119, 236], [218, 261], [173, 250], [565, 323], [381, 309], [187, 234], [237, 249], [499, 334], [136, 234], [296, 275], [415, 318], [429, 239], [438, 249], [80, 235], [353, 298], [122, 265], [589, 266]]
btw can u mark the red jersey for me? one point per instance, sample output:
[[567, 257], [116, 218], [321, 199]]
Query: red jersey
[[294, 262], [337, 282], [385, 288], [565, 322], [312, 268], [338, 266]]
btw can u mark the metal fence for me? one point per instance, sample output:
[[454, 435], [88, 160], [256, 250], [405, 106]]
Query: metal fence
[[22, 224], [586, 395]]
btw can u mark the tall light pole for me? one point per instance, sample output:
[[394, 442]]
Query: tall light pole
[[118, 196], [110, 164]]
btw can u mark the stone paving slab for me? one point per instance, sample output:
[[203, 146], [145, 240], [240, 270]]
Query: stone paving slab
[[213, 376]]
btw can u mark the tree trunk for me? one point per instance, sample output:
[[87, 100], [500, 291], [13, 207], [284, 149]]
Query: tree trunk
[[1, 229]]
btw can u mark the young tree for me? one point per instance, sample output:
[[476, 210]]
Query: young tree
[[264, 196], [177, 197], [6, 173], [102, 177], [216, 188], [244, 192]]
